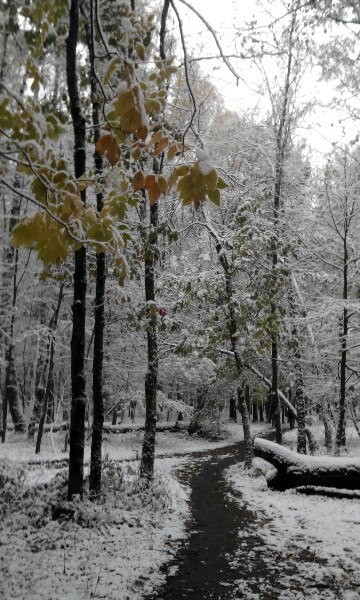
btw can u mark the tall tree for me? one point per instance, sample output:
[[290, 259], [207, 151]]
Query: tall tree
[[78, 401]]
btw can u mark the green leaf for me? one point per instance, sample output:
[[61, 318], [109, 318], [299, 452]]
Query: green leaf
[[214, 196]]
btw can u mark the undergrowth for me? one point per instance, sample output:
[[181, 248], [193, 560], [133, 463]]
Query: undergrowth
[[125, 498]]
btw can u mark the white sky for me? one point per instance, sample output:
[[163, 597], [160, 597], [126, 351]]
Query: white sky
[[321, 128]]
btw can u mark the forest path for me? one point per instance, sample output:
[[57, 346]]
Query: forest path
[[224, 558]]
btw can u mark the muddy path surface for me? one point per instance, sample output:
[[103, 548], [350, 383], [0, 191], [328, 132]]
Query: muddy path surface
[[224, 558]]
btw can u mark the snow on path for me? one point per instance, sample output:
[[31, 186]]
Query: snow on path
[[320, 535]]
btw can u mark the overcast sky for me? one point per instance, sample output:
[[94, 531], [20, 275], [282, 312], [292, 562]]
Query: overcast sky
[[321, 128]]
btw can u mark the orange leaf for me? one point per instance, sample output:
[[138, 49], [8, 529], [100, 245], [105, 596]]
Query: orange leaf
[[138, 181], [108, 146], [162, 184], [160, 146], [149, 181], [154, 193]]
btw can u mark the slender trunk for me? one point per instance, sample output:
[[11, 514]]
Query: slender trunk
[[99, 312], [275, 411], [328, 430], [49, 390], [148, 447], [233, 331], [78, 400], [340, 430], [299, 380], [281, 141], [11, 400], [151, 253], [255, 412]]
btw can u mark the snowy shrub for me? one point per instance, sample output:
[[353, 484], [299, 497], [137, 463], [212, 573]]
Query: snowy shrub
[[11, 487]]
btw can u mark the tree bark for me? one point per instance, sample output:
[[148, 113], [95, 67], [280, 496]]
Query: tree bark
[[11, 398], [300, 401], [294, 470], [233, 333], [340, 429], [78, 399], [148, 447], [49, 390], [99, 311]]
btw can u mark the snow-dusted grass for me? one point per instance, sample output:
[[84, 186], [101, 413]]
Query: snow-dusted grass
[[320, 536], [113, 551]]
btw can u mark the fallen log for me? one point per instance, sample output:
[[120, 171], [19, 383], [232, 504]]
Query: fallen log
[[294, 470]]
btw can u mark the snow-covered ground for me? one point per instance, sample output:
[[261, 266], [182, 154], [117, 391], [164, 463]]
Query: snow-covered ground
[[318, 536], [117, 551], [108, 552]]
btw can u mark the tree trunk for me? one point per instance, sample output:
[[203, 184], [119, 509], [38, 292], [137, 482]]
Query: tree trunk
[[340, 429], [294, 470], [49, 390], [148, 447], [255, 412], [78, 398], [300, 401], [11, 398], [99, 311], [233, 333], [275, 404]]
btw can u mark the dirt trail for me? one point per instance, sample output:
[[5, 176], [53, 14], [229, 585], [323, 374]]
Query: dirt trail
[[215, 562]]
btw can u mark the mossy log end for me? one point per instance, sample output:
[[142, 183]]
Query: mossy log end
[[294, 470]]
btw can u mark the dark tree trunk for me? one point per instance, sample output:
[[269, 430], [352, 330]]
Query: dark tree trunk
[[300, 401], [151, 254], [261, 412], [340, 429], [49, 390], [148, 447], [275, 410], [99, 312], [11, 400], [255, 412], [232, 409], [78, 399]]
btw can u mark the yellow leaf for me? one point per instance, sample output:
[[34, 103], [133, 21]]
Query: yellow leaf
[[162, 184], [111, 68], [182, 170], [39, 190], [221, 184], [140, 50], [155, 138], [211, 180]]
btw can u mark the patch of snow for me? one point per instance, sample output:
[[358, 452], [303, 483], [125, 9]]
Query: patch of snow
[[320, 535]]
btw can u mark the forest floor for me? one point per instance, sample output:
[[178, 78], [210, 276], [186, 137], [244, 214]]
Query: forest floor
[[248, 542], [210, 532]]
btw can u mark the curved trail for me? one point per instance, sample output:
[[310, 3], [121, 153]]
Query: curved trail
[[223, 558]]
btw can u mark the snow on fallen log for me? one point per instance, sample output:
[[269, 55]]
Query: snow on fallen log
[[294, 470]]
